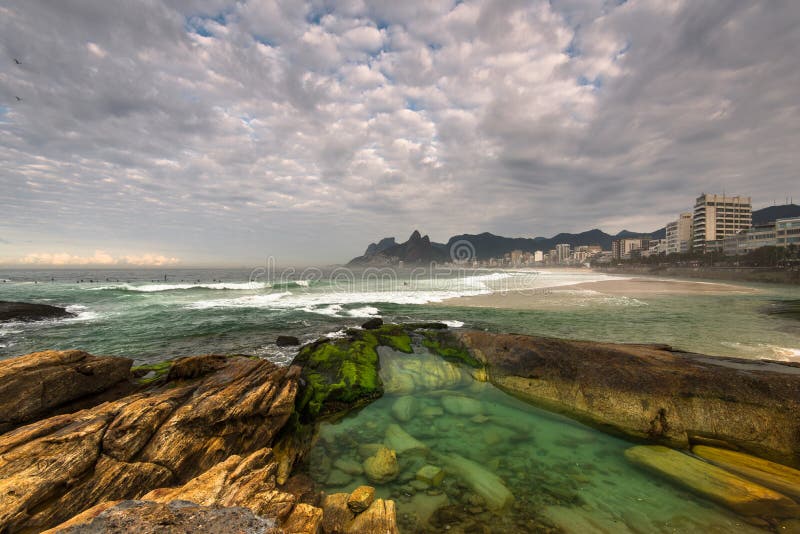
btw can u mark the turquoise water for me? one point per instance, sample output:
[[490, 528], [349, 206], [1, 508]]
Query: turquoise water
[[138, 314], [562, 476]]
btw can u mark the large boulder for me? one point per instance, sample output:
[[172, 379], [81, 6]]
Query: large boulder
[[652, 392], [57, 467], [26, 311], [34, 385]]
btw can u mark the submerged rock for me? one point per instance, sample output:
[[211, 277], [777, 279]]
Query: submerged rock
[[483, 482], [382, 467], [430, 474], [712, 482], [776, 476], [351, 467], [26, 311], [652, 392], [419, 372], [403, 442], [34, 385], [372, 324], [460, 405], [405, 408]]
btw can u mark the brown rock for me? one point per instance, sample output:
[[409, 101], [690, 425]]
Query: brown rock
[[176, 517], [33, 385], [361, 499], [58, 467], [382, 466], [304, 519], [652, 392], [337, 518]]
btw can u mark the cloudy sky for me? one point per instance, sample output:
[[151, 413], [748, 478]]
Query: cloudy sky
[[152, 132]]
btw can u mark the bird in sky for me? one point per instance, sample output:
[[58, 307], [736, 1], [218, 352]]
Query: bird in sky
[[18, 62], [19, 99]]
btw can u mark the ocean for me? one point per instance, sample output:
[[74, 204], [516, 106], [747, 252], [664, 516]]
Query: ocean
[[152, 315]]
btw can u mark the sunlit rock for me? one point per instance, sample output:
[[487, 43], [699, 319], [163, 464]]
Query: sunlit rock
[[382, 467], [403, 442]]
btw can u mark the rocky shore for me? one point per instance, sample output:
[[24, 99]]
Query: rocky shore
[[89, 445]]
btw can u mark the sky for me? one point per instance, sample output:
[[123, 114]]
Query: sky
[[191, 132]]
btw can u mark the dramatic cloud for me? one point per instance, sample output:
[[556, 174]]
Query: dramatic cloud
[[226, 131]]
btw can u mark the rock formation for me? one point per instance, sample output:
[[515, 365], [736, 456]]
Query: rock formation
[[26, 311], [652, 392], [38, 384], [55, 468]]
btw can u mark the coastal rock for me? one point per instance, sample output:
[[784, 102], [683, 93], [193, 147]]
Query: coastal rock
[[372, 324], [238, 487], [650, 392], [145, 517], [404, 408], [26, 311], [403, 376], [361, 499], [775, 476], [57, 467], [338, 518], [402, 442], [287, 341], [34, 385], [740, 495], [382, 467]]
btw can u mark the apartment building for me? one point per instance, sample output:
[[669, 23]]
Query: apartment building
[[621, 248], [787, 232], [716, 217], [679, 234]]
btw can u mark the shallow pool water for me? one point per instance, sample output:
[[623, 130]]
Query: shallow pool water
[[508, 467]]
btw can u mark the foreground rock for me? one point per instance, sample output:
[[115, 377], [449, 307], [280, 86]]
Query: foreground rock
[[740, 495], [35, 385], [652, 392], [339, 518], [57, 467], [244, 490], [26, 311]]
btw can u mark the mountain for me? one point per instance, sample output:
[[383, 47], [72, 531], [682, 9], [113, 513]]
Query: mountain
[[770, 214], [380, 246], [417, 250]]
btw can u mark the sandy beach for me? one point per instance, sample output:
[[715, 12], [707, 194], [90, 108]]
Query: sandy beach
[[576, 294]]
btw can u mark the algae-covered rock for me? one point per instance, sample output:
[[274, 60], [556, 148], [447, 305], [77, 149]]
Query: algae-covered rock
[[776, 476], [714, 483], [340, 374], [404, 408], [460, 405], [403, 442], [449, 347], [382, 467], [483, 482]]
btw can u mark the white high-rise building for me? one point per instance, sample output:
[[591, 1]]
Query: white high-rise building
[[679, 234], [718, 216]]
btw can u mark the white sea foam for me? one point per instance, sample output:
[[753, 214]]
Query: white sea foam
[[338, 334], [152, 288], [452, 324]]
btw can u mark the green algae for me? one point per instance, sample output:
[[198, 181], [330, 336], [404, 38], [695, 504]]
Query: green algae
[[341, 374], [447, 346], [152, 372]]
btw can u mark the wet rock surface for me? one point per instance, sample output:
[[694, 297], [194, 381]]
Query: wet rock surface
[[26, 311], [651, 392]]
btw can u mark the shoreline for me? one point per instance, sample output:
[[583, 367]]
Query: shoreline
[[630, 287]]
